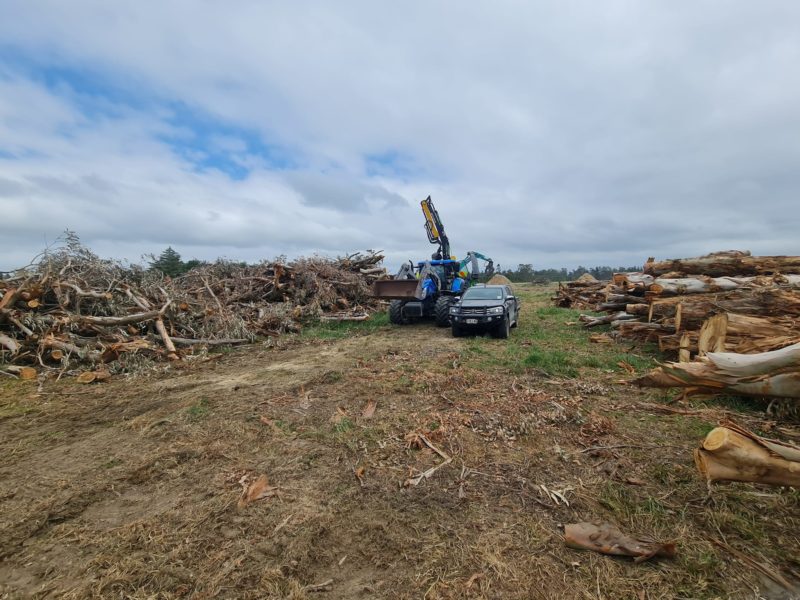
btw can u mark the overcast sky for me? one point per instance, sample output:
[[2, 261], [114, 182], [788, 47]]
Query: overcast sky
[[553, 133]]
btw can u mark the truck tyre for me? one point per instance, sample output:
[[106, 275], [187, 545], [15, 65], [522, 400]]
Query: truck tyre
[[396, 312], [503, 329], [443, 304], [457, 331]]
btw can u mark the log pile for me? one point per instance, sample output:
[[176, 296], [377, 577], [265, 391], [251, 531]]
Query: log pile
[[584, 293], [726, 301], [70, 309], [731, 311]]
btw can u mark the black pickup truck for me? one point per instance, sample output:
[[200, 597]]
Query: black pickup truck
[[492, 308]]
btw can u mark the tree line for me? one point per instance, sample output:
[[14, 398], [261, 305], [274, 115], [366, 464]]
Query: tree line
[[526, 272], [170, 263]]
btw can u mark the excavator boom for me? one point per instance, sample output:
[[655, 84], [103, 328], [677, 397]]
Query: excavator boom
[[434, 228]]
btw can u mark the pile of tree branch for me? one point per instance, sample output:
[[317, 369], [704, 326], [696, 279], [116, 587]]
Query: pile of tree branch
[[584, 293], [70, 309]]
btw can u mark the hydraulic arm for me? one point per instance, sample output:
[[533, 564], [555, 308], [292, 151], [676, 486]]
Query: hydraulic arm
[[435, 229]]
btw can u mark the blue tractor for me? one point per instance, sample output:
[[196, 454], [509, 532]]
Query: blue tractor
[[428, 288]]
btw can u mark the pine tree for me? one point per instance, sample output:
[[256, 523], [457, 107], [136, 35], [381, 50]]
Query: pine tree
[[168, 262]]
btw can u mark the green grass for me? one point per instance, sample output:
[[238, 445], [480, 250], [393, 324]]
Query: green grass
[[344, 425], [335, 330], [551, 341], [199, 410]]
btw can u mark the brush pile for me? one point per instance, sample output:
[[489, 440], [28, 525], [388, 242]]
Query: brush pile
[[585, 293], [710, 308], [71, 309]]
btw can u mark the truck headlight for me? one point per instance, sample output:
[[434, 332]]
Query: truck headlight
[[496, 310], [453, 310]]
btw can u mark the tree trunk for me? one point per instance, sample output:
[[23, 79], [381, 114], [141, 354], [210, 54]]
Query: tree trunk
[[21, 372], [730, 453], [721, 264], [773, 374]]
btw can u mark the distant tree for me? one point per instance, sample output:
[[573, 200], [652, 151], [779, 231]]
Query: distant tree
[[169, 263], [193, 264], [525, 272]]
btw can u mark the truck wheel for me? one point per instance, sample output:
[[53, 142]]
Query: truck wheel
[[396, 312], [503, 329], [457, 331], [443, 304]]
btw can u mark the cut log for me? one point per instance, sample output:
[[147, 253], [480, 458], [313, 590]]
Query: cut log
[[721, 264], [695, 309], [772, 374], [743, 334], [591, 321], [93, 376], [21, 372], [732, 454], [696, 285], [172, 352], [637, 309]]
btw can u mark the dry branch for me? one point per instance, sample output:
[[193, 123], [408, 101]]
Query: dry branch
[[74, 307]]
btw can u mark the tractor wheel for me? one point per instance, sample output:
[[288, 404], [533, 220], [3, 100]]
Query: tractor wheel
[[443, 304], [396, 312]]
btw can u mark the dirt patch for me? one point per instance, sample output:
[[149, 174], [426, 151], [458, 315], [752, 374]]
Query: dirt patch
[[130, 488]]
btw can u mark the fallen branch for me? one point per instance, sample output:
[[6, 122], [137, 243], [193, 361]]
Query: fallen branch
[[206, 342], [761, 567], [427, 474]]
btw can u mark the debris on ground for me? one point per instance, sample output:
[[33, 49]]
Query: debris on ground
[[254, 489], [70, 309], [608, 539]]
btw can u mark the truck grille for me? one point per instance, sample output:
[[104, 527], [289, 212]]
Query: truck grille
[[473, 311]]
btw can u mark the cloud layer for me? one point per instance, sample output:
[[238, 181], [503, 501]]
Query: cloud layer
[[556, 134]]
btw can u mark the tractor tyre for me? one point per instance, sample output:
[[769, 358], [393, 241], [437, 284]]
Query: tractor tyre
[[396, 312], [443, 304]]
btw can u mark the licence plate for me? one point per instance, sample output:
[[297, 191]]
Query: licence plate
[[471, 321]]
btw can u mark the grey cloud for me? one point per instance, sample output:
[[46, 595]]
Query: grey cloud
[[339, 192], [590, 132]]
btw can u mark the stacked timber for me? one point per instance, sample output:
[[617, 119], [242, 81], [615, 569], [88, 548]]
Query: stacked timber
[[70, 309], [742, 303], [732, 320]]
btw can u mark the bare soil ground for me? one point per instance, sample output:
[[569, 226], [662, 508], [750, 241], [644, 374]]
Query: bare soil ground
[[129, 488]]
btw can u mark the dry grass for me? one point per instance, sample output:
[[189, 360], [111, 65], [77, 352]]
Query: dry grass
[[129, 489]]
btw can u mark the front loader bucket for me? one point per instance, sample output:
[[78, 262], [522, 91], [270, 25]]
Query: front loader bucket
[[395, 289]]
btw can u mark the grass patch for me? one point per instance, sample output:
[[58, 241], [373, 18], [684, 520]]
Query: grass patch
[[199, 410], [335, 330], [344, 425], [551, 362], [551, 341]]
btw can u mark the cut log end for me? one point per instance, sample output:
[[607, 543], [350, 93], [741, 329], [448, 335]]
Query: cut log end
[[26, 373]]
